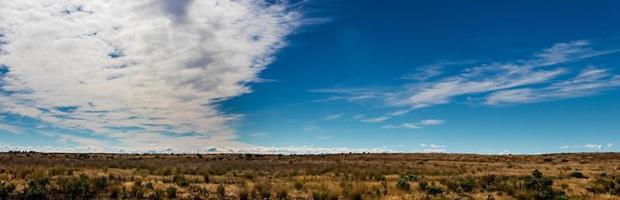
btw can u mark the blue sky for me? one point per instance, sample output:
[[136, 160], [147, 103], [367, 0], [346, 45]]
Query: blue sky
[[311, 77]]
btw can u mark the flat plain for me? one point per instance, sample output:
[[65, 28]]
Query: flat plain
[[33, 175]]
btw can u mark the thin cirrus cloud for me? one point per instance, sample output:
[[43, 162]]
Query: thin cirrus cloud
[[415, 125], [143, 73], [534, 79], [589, 146]]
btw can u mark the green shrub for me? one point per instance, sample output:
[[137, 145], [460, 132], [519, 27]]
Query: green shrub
[[157, 194], [603, 185], [423, 184], [6, 189], [324, 194], [171, 192], [542, 187], [180, 180], [433, 190], [410, 177], [36, 189], [298, 185], [577, 174], [100, 183], [467, 185], [403, 184], [75, 187]]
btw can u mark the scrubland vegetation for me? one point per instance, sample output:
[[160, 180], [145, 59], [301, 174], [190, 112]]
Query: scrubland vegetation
[[31, 175]]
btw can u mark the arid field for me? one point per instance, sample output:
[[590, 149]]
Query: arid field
[[31, 175]]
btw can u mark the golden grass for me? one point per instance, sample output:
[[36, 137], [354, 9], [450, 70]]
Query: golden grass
[[340, 176]]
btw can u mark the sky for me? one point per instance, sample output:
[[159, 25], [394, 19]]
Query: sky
[[313, 76]]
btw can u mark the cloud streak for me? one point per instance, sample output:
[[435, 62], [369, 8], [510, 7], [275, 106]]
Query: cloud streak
[[416, 125], [534, 79]]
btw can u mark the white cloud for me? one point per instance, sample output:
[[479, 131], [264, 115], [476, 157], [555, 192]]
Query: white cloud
[[589, 81], [415, 125], [9, 128], [593, 146], [333, 117], [588, 146], [308, 149], [434, 148], [567, 52], [154, 69], [390, 126], [432, 122], [427, 72], [533, 79], [82, 141], [259, 134], [411, 126], [375, 120]]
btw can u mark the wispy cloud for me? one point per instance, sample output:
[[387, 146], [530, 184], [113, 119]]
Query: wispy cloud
[[426, 72], [333, 116], [82, 141], [410, 125], [157, 69], [588, 82], [537, 78], [375, 119], [432, 122], [416, 125], [259, 134], [9, 128]]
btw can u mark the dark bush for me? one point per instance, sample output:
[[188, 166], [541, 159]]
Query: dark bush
[[541, 187], [180, 180], [433, 190], [411, 177], [403, 184], [100, 183], [243, 194], [324, 194], [603, 185], [467, 185], [171, 192], [6, 189], [114, 192], [298, 185], [157, 195], [282, 195], [37, 189], [75, 187], [423, 185], [577, 174], [206, 178]]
